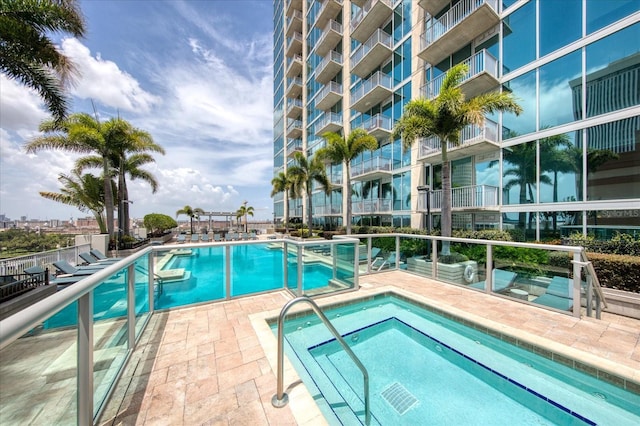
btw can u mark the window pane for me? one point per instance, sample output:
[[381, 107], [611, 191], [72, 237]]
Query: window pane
[[613, 72], [519, 47], [558, 80], [519, 174], [602, 13], [560, 24], [524, 89], [561, 166]]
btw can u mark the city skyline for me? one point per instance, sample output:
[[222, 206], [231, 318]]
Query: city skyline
[[196, 75]]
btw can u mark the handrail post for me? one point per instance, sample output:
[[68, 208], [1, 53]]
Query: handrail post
[[280, 399]]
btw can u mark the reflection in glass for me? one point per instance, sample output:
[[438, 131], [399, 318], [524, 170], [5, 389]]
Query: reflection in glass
[[556, 30], [557, 79], [524, 89], [519, 178], [519, 47], [602, 13]]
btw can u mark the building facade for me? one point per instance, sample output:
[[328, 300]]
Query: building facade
[[570, 162]]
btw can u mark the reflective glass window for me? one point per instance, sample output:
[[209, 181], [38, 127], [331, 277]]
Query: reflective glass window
[[561, 168], [560, 24], [601, 13], [519, 175], [519, 43], [559, 80], [613, 72], [524, 89]]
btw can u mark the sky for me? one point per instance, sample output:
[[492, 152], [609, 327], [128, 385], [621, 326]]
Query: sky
[[196, 75]]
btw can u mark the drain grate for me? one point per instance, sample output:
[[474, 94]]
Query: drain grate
[[399, 398]]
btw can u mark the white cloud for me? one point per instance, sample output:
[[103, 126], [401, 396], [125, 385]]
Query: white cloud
[[21, 107], [104, 81]]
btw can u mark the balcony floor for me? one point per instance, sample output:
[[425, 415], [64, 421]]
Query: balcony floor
[[208, 365]]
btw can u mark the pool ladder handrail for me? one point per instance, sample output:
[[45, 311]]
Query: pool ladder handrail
[[280, 399]]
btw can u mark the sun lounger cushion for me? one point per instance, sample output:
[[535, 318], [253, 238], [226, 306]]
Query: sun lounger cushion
[[501, 280], [558, 295]]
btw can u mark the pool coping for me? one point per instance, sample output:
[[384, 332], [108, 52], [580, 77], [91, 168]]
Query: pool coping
[[299, 397]]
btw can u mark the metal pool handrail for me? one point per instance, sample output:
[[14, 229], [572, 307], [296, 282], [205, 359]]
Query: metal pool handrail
[[280, 399]]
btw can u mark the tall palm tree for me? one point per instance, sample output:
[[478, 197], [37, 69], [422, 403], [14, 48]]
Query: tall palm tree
[[283, 183], [344, 150], [555, 160], [29, 56], [84, 134], [303, 174], [445, 117], [243, 212], [86, 192], [191, 212]]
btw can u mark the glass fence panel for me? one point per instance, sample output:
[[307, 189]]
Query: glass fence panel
[[415, 255], [471, 259], [292, 266], [345, 263], [190, 275], [323, 273], [110, 305], [255, 268], [141, 285], [383, 253], [38, 375]]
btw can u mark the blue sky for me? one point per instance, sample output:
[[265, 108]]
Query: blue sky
[[197, 75]]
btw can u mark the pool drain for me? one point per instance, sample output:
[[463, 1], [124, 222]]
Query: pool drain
[[399, 398]]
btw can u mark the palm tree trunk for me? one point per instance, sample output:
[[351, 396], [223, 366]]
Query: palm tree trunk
[[445, 219], [286, 212], [348, 206], [108, 195]]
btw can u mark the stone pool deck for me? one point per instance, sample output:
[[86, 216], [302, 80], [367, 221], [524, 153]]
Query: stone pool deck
[[215, 364]]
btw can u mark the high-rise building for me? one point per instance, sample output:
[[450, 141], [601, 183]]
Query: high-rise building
[[570, 162]]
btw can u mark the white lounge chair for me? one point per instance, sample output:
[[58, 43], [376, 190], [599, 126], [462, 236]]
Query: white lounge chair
[[501, 280]]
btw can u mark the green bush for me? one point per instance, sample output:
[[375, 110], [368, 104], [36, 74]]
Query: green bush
[[619, 272], [158, 223], [622, 244]]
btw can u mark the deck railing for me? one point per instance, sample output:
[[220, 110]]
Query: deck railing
[[473, 196], [17, 265]]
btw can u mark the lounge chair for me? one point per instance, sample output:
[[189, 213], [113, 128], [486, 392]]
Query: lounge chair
[[195, 238], [88, 257], [501, 280], [375, 251], [181, 238], [559, 294], [101, 256], [205, 238], [67, 269], [217, 237], [59, 281], [253, 236]]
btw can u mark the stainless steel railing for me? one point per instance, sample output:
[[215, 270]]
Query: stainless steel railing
[[280, 399]]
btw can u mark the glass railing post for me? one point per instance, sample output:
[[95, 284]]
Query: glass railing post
[[489, 278], [300, 268], [227, 271], [85, 360], [285, 264], [397, 262], [577, 268], [434, 258], [131, 306], [151, 283]]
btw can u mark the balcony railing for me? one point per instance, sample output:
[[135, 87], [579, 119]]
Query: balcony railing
[[294, 87], [378, 126], [482, 62], [366, 57], [294, 107], [465, 197], [443, 31], [294, 66], [45, 259], [328, 122], [327, 209], [328, 10], [372, 14], [294, 23], [294, 145], [294, 44], [373, 165], [329, 95], [375, 205], [294, 128], [331, 35], [371, 91], [471, 136], [329, 67]]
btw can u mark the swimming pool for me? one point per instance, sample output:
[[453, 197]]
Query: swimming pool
[[427, 369]]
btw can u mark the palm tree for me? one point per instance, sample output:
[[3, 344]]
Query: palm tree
[[555, 160], [344, 150], [81, 133], [445, 117], [283, 183], [86, 192], [191, 212], [243, 212], [303, 175], [29, 56]]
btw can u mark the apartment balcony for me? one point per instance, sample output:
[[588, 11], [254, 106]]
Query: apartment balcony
[[294, 23], [294, 87], [294, 45], [372, 206], [329, 10], [482, 77], [471, 198], [368, 56], [373, 168], [328, 122], [378, 126], [329, 67], [335, 180], [294, 145], [464, 22], [294, 128], [329, 95], [371, 92], [372, 14], [294, 108], [294, 66], [474, 140], [327, 210], [329, 39], [291, 6], [433, 6]]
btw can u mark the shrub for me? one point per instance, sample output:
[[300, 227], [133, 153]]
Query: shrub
[[157, 223], [620, 272]]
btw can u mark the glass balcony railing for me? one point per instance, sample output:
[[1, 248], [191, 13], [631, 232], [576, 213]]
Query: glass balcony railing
[[480, 63], [374, 205], [372, 165], [329, 95], [371, 15], [327, 209], [470, 135], [370, 54], [329, 66], [371, 91], [328, 122], [464, 197], [329, 38]]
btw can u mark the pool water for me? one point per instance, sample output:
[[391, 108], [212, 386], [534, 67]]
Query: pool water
[[426, 369]]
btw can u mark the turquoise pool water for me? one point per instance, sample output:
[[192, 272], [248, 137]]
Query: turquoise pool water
[[426, 369], [254, 268]]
